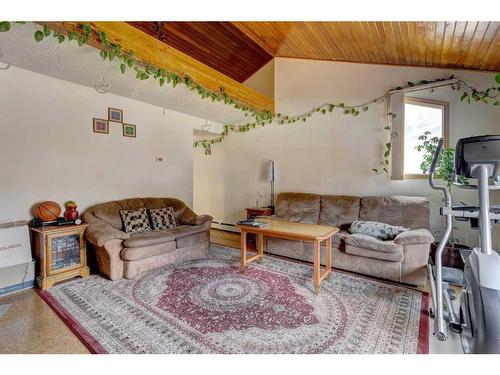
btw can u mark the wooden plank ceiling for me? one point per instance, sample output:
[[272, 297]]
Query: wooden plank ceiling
[[239, 49], [220, 45]]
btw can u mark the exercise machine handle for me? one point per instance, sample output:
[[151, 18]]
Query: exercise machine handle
[[432, 170], [437, 152], [439, 322]]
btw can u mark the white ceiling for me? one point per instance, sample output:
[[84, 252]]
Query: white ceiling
[[83, 65]]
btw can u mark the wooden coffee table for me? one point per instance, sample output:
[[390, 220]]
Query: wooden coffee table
[[292, 231]]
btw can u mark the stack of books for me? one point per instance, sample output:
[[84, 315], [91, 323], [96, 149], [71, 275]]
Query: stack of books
[[253, 223]]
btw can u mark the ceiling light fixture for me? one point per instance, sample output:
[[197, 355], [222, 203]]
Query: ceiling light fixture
[[135, 93], [102, 86], [206, 126], [4, 65]]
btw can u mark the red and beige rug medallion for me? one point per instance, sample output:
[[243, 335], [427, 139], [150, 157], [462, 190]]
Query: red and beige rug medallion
[[212, 306]]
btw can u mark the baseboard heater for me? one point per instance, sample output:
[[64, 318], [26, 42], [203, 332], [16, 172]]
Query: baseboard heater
[[225, 226]]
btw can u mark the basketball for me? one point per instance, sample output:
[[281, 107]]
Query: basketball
[[47, 211]]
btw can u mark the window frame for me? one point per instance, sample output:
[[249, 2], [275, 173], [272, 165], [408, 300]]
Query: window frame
[[431, 103]]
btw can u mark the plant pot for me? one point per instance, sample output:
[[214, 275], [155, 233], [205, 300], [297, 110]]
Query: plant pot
[[451, 255], [71, 213]]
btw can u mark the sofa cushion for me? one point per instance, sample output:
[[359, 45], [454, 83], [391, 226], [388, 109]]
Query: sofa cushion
[[298, 207], [375, 229], [409, 212], [135, 221], [187, 230], [361, 252], [162, 218], [414, 237], [149, 238], [192, 239], [110, 211], [136, 253], [371, 243], [339, 210]]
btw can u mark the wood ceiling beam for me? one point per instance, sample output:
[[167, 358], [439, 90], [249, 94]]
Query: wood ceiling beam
[[150, 49]]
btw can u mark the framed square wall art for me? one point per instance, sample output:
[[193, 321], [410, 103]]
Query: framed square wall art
[[115, 115], [129, 130], [100, 126]]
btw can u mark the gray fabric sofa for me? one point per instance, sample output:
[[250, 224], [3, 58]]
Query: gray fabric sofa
[[120, 254], [402, 260]]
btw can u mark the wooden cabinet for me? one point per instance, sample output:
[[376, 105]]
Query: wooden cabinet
[[252, 213], [261, 211], [60, 253]]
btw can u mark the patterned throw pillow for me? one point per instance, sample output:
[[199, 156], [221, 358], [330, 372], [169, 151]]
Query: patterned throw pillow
[[381, 231], [135, 221], [163, 218]]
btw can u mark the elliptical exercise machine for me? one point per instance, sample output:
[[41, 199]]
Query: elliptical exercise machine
[[478, 320]]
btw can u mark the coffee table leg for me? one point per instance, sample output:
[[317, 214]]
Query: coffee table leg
[[328, 256], [316, 265], [243, 252], [260, 246]]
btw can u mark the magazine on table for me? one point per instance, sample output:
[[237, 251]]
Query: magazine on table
[[253, 223]]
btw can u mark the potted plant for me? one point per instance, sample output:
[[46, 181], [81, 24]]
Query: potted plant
[[444, 170], [71, 213]]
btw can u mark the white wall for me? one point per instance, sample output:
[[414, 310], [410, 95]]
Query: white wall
[[334, 154], [49, 152], [263, 80]]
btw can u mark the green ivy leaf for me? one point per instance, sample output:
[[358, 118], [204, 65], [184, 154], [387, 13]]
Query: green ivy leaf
[[464, 95], [81, 41], [103, 54], [38, 36], [72, 35], [46, 30], [162, 81], [61, 38], [111, 55], [365, 108], [497, 78], [4, 26], [123, 67]]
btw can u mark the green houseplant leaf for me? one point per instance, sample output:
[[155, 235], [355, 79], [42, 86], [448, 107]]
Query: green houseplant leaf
[[4, 26], [38, 36]]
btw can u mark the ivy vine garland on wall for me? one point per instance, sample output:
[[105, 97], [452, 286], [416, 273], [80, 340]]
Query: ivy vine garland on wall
[[144, 70]]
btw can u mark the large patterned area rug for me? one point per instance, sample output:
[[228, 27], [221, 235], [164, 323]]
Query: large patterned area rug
[[212, 306]]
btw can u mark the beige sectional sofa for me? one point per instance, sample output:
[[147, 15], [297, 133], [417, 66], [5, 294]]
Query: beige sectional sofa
[[403, 259], [120, 254]]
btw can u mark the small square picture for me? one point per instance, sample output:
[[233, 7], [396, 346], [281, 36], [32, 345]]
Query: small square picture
[[115, 115], [101, 126], [129, 130]]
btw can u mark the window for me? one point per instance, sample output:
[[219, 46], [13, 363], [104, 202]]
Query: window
[[421, 115]]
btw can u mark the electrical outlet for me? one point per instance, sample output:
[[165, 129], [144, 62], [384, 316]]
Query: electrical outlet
[[159, 159]]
